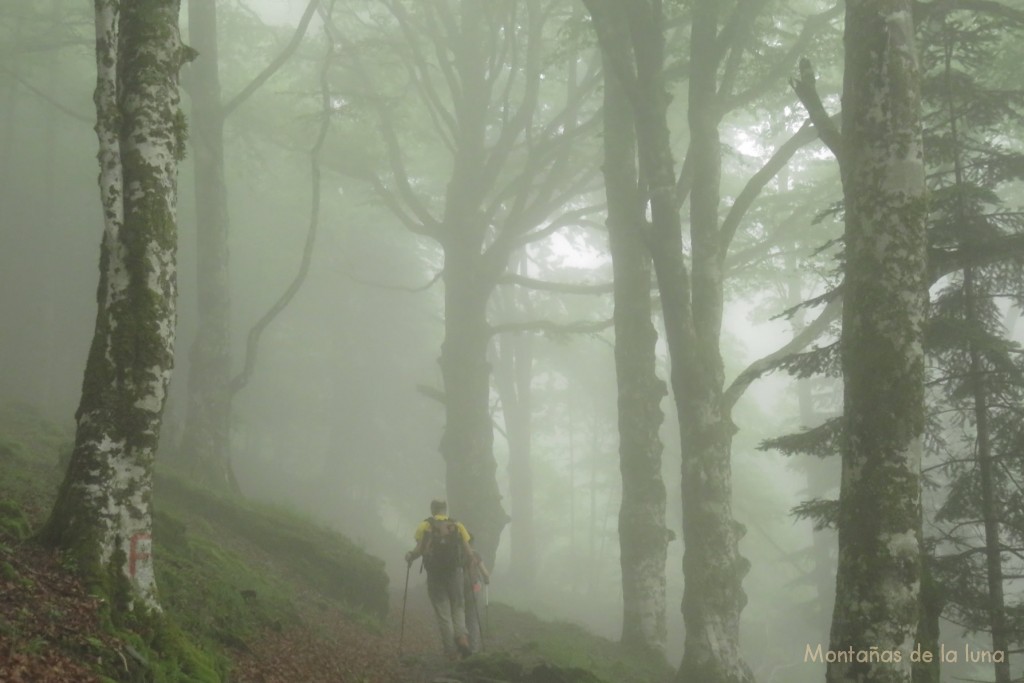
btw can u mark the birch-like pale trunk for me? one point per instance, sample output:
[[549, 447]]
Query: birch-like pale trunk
[[102, 514], [885, 301]]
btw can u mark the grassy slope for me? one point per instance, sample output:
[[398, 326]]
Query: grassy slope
[[229, 572], [251, 593]]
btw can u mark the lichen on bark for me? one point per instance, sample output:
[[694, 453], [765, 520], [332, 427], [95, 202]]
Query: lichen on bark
[[885, 303], [102, 514]]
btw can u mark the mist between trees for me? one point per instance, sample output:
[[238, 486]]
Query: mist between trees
[[601, 274]]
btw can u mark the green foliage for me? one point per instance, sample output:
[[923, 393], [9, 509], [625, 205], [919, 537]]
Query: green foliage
[[977, 377], [13, 522], [821, 441], [823, 513]]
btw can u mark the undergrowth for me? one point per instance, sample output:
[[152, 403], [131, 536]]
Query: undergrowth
[[215, 596]]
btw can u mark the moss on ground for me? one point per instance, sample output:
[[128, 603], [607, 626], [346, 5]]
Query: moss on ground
[[322, 560], [214, 598], [539, 651]]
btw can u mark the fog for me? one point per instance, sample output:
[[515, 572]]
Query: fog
[[345, 411]]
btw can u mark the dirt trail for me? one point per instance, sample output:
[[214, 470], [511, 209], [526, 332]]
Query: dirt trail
[[331, 647], [42, 604]]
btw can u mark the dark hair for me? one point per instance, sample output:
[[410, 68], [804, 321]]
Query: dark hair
[[438, 507]]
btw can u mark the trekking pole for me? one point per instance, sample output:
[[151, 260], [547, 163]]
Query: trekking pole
[[487, 607], [405, 598]]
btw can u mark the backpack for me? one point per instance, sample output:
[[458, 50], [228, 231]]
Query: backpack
[[443, 552]]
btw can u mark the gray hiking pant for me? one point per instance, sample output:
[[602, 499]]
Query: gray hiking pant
[[445, 593], [474, 611]]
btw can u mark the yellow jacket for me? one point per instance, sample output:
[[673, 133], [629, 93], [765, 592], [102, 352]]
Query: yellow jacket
[[424, 527]]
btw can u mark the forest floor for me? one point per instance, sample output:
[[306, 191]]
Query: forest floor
[[50, 630], [252, 595]]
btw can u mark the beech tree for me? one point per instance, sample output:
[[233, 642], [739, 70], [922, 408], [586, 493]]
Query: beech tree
[[885, 299], [102, 513], [633, 40], [643, 536], [515, 166]]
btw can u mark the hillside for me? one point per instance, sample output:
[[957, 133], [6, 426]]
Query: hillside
[[250, 593]]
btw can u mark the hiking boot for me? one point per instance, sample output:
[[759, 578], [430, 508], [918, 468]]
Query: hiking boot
[[463, 644]]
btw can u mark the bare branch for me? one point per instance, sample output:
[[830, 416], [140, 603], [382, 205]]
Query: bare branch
[[768, 363], [685, 182], [418, 68], [253, 340], [923, 10], [550, 328], [522, 119], [399, 288], [276, 63], [776, 163], [568, 218], [560, 287], [781, 68], [428, 224], [807, 92], [733, 41], [46, 98], [431, 392]]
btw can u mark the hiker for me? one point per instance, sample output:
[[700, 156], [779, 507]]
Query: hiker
[[476, 574], [444, 545]]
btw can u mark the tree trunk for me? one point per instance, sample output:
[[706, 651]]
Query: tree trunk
[[470, 277], [102, 514], [928, 629], [467, 444], [989, 497], [513, 378], [884, 306], [983, 455], [206, 443], [712, 566], [643, 537]]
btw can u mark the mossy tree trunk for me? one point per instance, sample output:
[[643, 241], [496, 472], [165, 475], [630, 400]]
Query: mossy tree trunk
[[643, 537], [692, 305], [885, 301], [712, 565], [102, 514], [478, 69], [467, 443]]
